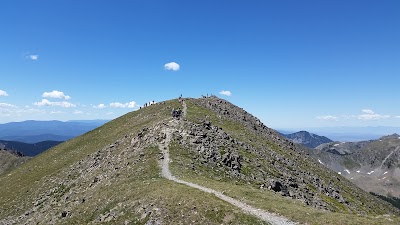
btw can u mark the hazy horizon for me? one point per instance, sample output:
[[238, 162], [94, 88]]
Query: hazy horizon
[[339, 133]]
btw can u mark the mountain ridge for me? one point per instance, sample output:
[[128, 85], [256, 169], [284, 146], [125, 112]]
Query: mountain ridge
[[220, 146], [308, 139], [347, 133], [28, 149]]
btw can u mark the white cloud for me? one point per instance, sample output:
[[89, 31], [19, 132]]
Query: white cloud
[[6, 105], [33, 57], [397, 117], [3, 93], [99, 106], [14, 111], [109, 113], [5, 112], [56, 94], [32, 111], [367, 111], [329, 118], [46, 102], [117, 105], [371, 115], [77, 112], [130, 105], [172, 66], [226, 93], [56, 112]]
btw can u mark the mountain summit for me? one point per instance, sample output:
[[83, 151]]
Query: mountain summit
[[215, 164]]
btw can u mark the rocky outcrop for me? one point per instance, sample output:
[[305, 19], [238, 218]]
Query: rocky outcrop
[[213, 146]]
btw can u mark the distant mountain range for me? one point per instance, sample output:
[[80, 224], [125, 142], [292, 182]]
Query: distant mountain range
[[347, 134], [28, 149], [37, 131], [308, 139], [37, 138], [372, 165]]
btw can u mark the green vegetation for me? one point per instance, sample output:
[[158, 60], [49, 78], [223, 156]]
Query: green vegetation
[[392, 200]]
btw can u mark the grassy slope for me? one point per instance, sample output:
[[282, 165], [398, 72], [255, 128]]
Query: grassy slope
[[249, 192], [135, 194]]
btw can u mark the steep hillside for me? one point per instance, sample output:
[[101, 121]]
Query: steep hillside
[[308, 139], [29, 149], [112, 174], [10, 159], [379, 169]]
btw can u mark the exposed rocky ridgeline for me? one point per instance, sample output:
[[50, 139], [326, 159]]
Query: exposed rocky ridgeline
[[111, 174], [372, 165], [383, 153], [342, 148], [308, 139]]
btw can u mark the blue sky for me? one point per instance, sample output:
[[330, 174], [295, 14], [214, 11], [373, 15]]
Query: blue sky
[[291, 63]]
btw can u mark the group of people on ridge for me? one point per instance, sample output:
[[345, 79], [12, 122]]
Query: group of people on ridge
[[147, 104], [177, 113]]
